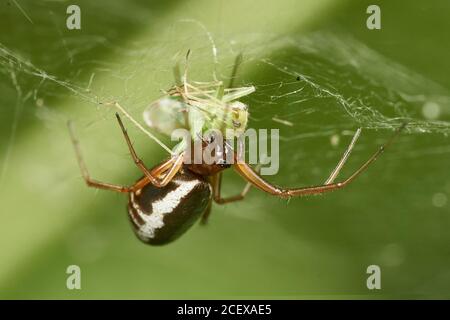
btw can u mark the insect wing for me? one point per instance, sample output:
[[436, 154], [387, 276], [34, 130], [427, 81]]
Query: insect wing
[[165, 115]]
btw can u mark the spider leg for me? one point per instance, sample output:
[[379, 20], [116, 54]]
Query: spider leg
[[158, 172], [251, 176], [344, 158], [217, 184], [172, 171], [217, 188], [85, 173]]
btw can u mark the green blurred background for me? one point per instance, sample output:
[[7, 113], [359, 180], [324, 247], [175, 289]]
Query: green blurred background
[[396, 215]]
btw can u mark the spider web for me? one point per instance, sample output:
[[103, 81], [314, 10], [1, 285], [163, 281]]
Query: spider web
[[313, 87], [317, 89]]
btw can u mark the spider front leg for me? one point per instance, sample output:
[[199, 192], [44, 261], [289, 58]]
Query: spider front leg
[[176, 162], [172, 166], [251, 176], [84, 172]]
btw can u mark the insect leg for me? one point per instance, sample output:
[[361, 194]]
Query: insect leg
[[177, 75], [237, 63]]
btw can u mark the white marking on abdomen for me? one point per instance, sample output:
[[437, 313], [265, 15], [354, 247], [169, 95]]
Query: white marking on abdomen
[[135, 207], [161, 207]]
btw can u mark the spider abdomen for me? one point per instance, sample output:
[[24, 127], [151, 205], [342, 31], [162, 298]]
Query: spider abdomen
[[160, 215]]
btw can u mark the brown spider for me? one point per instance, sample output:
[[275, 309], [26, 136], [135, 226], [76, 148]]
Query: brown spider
[[173, 195]]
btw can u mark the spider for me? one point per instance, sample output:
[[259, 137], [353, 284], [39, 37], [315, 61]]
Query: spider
[[174, 194]]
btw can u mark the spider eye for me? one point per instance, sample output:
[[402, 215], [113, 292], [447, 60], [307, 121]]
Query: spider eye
[[236, 123], [223, 163]]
